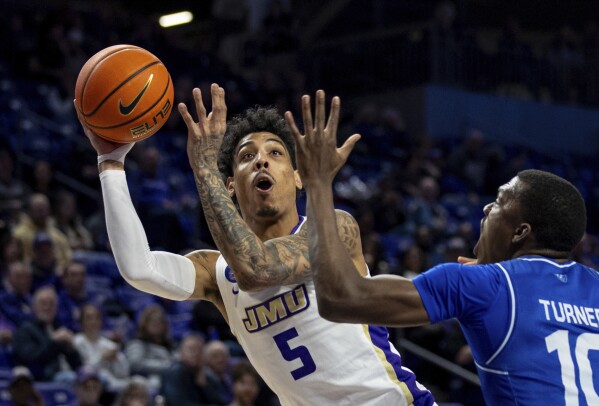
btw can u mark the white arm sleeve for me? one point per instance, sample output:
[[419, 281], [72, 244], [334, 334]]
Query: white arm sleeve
[[163, 274]]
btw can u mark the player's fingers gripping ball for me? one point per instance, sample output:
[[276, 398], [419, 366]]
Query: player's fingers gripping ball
[[124, 93]]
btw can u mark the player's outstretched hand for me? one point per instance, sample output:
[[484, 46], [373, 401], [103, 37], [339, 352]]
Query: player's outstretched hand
[[318, 157], [101, 145], [205, 136]]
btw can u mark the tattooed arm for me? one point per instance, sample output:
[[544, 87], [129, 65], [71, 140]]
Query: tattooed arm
[[285, 260], [258, 264]]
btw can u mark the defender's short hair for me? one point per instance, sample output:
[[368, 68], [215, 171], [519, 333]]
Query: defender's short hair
[[554, 208]]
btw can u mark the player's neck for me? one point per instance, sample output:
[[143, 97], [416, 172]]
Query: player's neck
[[557, 256], [269, 228]]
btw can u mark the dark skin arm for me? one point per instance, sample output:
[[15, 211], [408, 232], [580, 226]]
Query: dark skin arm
[[343, 296]]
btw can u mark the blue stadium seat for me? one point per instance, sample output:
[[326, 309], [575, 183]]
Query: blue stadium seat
[[99, 264], [133, 299], [54, 394]]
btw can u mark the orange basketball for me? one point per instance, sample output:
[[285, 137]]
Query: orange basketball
[[124, 93]]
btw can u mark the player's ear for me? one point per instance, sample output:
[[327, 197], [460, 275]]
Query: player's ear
[[521, 233], [230, 186], [298, 180]]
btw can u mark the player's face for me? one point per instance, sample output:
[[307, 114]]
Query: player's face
[[264, 181], [499, 226]]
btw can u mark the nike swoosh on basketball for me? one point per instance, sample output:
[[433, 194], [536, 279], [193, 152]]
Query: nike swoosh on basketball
[[125, 110]]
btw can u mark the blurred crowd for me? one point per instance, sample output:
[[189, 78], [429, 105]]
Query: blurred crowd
[[66, 315]]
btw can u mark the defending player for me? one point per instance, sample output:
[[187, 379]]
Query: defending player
[[261, 279], [529, 313]]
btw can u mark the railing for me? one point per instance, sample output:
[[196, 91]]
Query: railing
[[412, 55], [64, 133], [440, 362]]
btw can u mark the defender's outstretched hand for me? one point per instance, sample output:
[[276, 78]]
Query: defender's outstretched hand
[[205, 136], [318, 158]]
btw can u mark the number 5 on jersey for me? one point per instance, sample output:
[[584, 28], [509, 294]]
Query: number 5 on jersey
[[289, 354]]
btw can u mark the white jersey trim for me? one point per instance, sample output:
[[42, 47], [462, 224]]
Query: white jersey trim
[[493, 371], [567, 265], [512, 316]]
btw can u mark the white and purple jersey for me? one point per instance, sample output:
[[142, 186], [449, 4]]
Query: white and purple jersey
[[307, 360], [532, 325]]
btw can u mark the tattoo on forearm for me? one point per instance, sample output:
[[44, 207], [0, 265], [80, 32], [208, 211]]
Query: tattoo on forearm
[[277, 263], [291, 258]]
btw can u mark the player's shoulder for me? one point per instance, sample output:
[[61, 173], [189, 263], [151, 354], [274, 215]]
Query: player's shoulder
[[345, 218], [475, 273], [204, 257]]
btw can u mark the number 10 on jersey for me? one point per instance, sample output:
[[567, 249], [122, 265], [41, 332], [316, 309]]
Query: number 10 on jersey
[[585, 342]]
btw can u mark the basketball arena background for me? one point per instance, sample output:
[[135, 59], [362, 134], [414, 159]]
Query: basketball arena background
[[452, 99]]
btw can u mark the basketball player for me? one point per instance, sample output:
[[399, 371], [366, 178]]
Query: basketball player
[[260, 280], [529, 313]]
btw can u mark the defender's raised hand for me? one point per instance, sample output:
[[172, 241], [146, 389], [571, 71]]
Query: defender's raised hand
[[318, 158], [205, 136]]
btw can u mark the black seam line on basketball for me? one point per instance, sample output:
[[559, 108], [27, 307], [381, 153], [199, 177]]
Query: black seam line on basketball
[[91, 113], [126, 110], [139, 115], [94, 68]]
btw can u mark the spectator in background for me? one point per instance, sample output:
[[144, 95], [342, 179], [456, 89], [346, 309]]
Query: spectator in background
[[12, 190], [156, 203], [150, 353], [43, 345], [468, 160], [15, 302], [43, 180], [69, 222], [455, 247], [7, 329], [218, 361], [187, 382], [394, 128], [374, 253], [88, 387], [21, 389], [388, 205], [412, 261], [99, 352], [246, 385], [73, 294], [43, 263], [136, 393], [209, 321], [38, 220], [587, 251], [96, 224], [10, 251], [426, 209]]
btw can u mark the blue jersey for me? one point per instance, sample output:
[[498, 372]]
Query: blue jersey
[[532, 325]]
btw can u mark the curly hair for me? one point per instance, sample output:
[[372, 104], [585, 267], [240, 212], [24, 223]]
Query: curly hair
[[252, 120], [555, 209]]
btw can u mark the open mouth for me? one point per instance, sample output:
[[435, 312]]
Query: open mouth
[[264, 183]]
